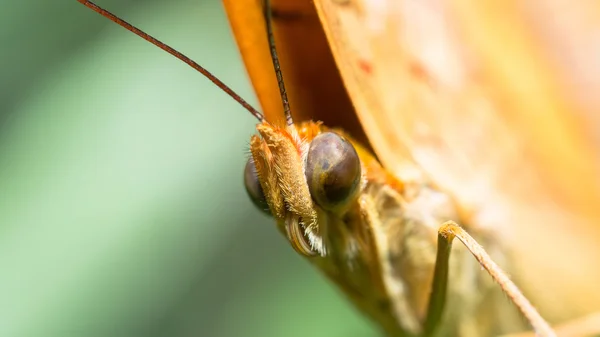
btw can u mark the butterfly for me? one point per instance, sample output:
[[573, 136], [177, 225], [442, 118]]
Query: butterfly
[[470, 93], [366, 66]]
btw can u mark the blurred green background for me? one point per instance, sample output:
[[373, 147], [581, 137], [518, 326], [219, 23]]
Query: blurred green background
[[122, 210]]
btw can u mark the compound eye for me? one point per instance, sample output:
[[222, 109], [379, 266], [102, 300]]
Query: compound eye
[[253, 188], [332, 170]]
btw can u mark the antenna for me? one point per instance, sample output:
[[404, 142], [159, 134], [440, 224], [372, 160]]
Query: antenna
[[175, 53], [286, 104]]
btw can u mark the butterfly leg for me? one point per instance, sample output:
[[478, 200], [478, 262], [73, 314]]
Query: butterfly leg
[[446, 234], [586, 326]]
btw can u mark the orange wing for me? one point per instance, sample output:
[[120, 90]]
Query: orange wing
[[312, 80], [496, 102]]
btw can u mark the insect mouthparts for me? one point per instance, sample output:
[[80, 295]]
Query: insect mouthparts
[[301, 237]]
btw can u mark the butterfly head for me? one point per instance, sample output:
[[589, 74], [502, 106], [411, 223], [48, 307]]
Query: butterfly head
[[299, 174]]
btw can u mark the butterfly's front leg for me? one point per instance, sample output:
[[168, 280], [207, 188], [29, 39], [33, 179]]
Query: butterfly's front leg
[[446, 234], [396, 290], [586, 326]]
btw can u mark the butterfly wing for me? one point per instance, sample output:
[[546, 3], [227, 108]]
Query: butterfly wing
[[313, 84], [495, 101]]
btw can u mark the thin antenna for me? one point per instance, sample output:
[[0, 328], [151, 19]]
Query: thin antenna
[[175, 53], [275, 58]]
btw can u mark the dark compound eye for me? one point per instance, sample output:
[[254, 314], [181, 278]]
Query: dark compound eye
[[332, 170], [253, 187]]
